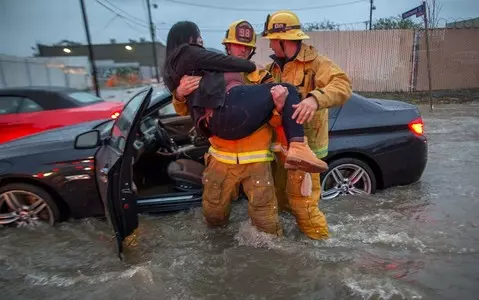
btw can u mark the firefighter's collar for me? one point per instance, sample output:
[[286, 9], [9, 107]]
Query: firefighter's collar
[[305, 54]]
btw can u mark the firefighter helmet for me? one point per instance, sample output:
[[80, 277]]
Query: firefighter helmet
[[283, 25], [242, 33]]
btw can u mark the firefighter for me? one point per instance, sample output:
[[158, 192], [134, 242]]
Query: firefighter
[[322, 84], [247, 161]]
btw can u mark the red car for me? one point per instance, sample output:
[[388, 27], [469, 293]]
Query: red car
[[28, 110]]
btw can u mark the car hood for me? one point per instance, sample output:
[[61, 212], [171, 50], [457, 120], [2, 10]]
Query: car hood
[[51, 140]]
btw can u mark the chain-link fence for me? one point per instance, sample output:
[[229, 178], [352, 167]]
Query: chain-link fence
[[395, 60], [454, 59]]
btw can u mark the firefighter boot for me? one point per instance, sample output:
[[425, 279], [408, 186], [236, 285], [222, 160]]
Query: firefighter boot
[[301, 157]]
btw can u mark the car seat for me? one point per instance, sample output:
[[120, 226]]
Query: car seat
[[187, 174]]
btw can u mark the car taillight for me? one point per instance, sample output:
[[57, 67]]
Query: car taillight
[[115, 115], [417, 126]]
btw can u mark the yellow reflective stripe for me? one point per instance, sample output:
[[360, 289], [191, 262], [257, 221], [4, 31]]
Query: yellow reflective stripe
[[260, 152], [242, 157], [223, 156], [256, 158], [321, 152]]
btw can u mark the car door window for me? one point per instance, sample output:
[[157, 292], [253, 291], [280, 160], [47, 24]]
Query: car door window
[[29, 106], [9, 104], [167, 110], [83, 98], [123, 123]]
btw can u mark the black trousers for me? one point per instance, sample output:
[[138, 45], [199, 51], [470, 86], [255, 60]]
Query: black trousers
[[248, 107]]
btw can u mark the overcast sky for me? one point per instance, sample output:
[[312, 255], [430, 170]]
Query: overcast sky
[[23, 23]]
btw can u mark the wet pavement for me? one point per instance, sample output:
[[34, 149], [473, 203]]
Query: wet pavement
[[414, 242]]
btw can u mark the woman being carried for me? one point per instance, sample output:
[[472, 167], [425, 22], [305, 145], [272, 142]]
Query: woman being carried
[[223, 105]]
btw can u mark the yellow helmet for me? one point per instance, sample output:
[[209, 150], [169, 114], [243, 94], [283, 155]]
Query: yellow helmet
[[240, 32], [283, 25]]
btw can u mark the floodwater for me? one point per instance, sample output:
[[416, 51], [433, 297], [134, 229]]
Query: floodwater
[[414, 242]]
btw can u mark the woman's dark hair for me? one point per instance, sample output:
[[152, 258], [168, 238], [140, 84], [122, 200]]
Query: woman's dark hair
[[180, 33]]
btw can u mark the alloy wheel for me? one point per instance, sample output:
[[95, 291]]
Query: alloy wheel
[[24, 208], [346, 179]]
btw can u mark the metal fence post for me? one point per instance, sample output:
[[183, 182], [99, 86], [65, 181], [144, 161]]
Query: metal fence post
[[67, 81], [2, 75], [49, 76], [29, 75], [415, 59]]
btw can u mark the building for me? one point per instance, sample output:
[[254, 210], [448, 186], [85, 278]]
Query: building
[[136, 52], [113, 58], [133, 57]]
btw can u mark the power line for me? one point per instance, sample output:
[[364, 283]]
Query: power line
[[260, 9], [123, 11], [122, 16], [107, 24], [258, 27]]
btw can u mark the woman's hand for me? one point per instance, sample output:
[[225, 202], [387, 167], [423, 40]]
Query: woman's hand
[[188, 84], [279, 93]]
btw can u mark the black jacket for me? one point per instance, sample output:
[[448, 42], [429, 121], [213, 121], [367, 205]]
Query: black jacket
[[191, 59], [196, 60]]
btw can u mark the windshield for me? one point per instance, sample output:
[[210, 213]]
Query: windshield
[[85, 98]]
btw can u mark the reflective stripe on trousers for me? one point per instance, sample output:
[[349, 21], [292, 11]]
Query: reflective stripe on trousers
[[241, 157]]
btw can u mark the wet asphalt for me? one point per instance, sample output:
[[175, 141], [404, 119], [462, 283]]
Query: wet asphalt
[[419, 241]]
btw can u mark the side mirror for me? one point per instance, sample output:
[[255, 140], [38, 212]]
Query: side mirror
[[88, 140]]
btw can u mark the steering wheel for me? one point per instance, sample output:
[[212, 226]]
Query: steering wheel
[[163, 139]]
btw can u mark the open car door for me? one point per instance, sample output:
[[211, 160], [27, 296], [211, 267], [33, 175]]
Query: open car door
[[114, 164]]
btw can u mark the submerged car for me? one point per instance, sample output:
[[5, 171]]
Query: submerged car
[[151, 160], [29, 110]]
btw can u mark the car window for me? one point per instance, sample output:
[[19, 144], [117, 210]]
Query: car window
[[169, 109], [85, 98], [123, 123], [9, 104], [28, 105]]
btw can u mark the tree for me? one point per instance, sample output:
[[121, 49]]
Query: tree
[[395, 23], [433, 10], [320, 26], [36, 49]]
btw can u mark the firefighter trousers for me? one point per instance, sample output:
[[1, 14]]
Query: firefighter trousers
[[221, 184], [309, 218]]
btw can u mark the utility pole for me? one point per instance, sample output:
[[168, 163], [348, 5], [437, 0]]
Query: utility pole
[[90, 48], [152, 32], [371, 8], [428, 54]]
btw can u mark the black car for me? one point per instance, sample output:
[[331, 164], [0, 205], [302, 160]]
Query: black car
[[151, 160]]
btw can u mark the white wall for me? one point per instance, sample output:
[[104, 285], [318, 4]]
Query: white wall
[[39, 71]]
